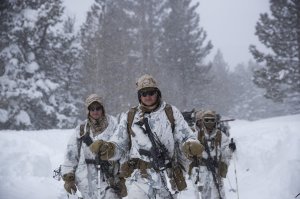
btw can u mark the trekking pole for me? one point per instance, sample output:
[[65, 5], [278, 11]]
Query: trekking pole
[[99, 180], [98, 167], [297, 195], [236, 180], [230, 186]]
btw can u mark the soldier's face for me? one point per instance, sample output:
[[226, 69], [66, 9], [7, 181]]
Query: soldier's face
[[95, 111], [149, 98], [209, 123]]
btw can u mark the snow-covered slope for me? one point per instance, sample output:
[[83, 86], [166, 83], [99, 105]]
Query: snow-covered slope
[[267, 161], [268, 157]]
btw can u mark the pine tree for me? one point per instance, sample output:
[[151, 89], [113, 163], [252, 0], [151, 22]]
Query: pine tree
[[247, 99], [89, 43], [216, 95], [30, 59], [280, 33], [182, 52], [108, 53], [148, 17], [69, 102]]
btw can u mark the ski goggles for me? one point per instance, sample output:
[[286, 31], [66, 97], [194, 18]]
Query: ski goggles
[[209, 120], [149, 92], [93, 109]]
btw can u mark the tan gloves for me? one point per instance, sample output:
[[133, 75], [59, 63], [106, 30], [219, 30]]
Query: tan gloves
[[193, 148], [122, 187], [106, 150], [69, 185]]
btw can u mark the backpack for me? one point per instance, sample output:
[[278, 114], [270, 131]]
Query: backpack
[[130, 117], [222, 124]]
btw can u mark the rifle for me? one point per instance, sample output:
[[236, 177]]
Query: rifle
[[158, 153], [189, 117], [210, 166], [102, 166], [227, 120], [222, 124]]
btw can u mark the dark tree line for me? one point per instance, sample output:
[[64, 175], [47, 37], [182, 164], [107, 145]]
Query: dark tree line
[[39, 66], [47, 69], [124, 39]]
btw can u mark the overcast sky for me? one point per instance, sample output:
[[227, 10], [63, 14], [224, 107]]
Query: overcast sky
[[230, 24]]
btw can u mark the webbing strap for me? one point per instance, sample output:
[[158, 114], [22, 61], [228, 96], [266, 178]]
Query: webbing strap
[[130, 117], [87, 139], [170, 116]]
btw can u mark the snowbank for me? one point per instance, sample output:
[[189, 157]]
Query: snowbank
[[267, 161]]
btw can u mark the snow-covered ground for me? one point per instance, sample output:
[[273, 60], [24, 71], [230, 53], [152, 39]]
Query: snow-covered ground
[[267, 161]]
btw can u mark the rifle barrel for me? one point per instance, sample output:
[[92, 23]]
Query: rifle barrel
[[228, 120]]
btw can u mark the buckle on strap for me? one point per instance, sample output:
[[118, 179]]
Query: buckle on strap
[[90, 161]]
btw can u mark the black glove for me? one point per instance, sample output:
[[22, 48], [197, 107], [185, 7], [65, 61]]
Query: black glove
[[232, 145]]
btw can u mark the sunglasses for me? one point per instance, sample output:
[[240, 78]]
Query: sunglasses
[[209, 120], [92, 109], [150, 93]]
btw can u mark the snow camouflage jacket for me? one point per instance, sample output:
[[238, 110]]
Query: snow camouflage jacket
[[218, 143], [160, 125], [86, 176]]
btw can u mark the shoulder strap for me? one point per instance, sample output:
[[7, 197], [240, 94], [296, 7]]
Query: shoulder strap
[[81, 133], [81, 130], [131, 113], [218, 138], [170, 116], [130, 118], [201, 136]]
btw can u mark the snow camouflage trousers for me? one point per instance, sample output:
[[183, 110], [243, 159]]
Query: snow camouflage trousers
[[206, 185], [148, 188], [88, 184]]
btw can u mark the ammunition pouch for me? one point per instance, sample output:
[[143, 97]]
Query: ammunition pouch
[[120, 187], [128, 167], [176, 174], [223, 168], [126, 170], [178, 178]]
